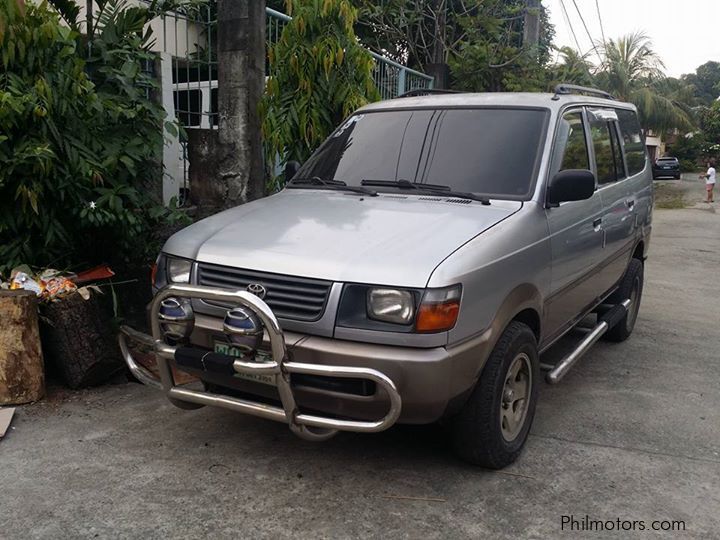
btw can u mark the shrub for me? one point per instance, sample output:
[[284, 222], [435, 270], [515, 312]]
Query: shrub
[[319, 75], [80, 138]]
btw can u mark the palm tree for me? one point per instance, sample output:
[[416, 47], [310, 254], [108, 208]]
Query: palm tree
[[573, 68], [632, 71]]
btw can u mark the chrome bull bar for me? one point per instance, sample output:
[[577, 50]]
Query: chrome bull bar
[[307, 426]]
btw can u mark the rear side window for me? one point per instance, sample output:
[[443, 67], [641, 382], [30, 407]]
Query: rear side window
[[571, 150], [617, 154], [633, 140], [608, 160]]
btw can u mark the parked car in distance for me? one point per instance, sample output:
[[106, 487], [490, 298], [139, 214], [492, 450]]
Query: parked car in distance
[[666, 166], [414, 269]]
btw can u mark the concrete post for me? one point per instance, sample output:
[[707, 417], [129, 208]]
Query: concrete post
[[174, 174], [531, 28], [241, 80], [401, 82]]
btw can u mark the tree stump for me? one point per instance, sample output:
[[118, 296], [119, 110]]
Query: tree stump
[[79, 341], [22, 374]]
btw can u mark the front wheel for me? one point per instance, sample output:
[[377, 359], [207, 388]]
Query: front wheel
[[493, 425]]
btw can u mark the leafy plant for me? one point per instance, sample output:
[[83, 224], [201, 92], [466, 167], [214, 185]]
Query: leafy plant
[[320, 74], [80, 136]]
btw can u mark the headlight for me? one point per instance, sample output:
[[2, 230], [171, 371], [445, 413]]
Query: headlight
[[178, 270], [401, 310], [391, 305]]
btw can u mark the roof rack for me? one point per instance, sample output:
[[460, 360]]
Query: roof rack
[[427, 92], [567, 89]]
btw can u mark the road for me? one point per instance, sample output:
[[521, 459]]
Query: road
[[633, 432]]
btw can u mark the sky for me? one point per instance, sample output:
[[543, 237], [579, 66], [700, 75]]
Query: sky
[[685, 33]]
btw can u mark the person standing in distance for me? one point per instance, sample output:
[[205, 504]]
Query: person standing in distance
[[709, 177]]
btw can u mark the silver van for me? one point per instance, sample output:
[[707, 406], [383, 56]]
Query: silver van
[[414, 269]]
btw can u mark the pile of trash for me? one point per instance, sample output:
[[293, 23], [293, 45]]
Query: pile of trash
[[52, 285]]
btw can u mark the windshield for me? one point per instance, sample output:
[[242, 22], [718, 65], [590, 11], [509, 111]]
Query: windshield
[[491, 152]]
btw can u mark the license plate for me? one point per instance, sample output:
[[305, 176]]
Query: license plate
[[667, 167], [223, 347]]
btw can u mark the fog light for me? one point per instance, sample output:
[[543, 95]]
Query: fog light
[[243, 328], [177, 319]]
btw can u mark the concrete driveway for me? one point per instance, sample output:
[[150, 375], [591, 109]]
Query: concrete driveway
[[632, 433]]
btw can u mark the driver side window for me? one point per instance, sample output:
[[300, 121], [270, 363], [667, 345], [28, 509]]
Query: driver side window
[[571, 150]]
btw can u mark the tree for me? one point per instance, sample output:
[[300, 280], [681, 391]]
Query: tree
[[706, 81], [632, 71], [573, 68], [482, 40], [710, 123], [492, 56], [80, 139], [413, 32], [320, 74]]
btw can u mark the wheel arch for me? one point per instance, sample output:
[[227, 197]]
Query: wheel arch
[[522, 304], [531, 318], [639, 252]]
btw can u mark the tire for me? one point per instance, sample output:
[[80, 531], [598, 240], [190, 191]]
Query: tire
[[677, 177], [481, 434], [630, 287]]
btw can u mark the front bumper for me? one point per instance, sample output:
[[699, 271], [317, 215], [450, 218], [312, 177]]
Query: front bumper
[[281, 367]]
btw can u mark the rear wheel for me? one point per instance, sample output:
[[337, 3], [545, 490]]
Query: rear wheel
[[631, 287], [493, 425]]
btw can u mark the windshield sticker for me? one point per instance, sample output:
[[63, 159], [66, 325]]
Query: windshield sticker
[[350, 122], [606, 115]]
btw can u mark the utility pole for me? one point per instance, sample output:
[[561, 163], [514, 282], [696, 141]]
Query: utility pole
[[438, 68], [531, 28], [89, 18], [241, 81]]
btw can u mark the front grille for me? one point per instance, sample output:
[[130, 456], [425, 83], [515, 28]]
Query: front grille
[[290, 297]]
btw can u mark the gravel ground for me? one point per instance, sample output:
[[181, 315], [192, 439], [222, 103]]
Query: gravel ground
[[632, 433]]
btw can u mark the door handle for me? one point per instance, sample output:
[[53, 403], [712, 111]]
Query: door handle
[[630, 203], [597, 224]]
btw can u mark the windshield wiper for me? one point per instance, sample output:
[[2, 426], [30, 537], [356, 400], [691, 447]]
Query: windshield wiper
[[433, 188], [337, 185]]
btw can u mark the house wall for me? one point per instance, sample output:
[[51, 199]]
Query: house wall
[[175, 35]]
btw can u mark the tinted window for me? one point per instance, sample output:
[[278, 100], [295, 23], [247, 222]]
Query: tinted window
[[617, 153], [485, 151], [570, 145], [607, 156], [633, 140]]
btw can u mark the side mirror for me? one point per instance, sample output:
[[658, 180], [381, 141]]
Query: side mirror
[[291, 169], [570, 185]]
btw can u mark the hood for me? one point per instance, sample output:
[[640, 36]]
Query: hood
[[392, 239]]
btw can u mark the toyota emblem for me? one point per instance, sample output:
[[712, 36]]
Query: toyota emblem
[[257, 289]]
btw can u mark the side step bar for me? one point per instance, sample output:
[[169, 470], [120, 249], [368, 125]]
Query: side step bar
[[606, 322]]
